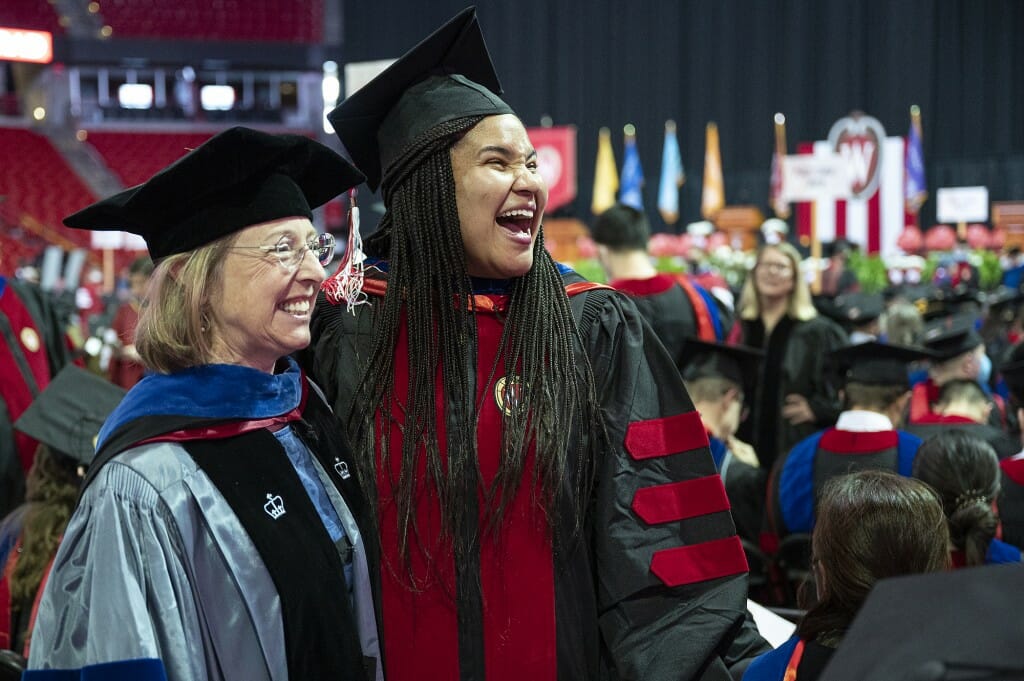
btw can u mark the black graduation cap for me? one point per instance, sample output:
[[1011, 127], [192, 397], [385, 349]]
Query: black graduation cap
[[951, 337], [448, 75], [237, 178], [855, 309], [875, 363], [68, 414], [1013, 372], [737, 363], [961, 624]]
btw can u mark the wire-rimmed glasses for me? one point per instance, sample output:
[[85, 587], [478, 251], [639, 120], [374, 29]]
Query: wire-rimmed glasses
[[289, 257]]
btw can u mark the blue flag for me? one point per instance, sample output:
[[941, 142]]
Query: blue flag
[[672, 176], [631, 181], [915, 191]]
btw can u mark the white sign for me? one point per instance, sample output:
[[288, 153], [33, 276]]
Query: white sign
[[113, 240], [961, 204], [19, 44], [814, 177], [359, 73]]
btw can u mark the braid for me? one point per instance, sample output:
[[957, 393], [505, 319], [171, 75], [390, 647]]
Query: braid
[[430, 294]]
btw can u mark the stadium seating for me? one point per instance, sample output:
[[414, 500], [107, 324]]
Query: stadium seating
[[37, 15], [35, 180], [135, 156], [228, 20]]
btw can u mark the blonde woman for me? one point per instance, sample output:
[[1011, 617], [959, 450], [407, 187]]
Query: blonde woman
[[793, 399]]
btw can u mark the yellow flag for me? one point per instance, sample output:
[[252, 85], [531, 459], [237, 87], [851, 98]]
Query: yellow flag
[[606, 176], [712, 197]]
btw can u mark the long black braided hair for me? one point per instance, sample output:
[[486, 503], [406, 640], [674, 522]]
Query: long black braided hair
[[430, 292]]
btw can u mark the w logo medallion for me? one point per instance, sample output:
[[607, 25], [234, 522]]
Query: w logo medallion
[[509, 394]]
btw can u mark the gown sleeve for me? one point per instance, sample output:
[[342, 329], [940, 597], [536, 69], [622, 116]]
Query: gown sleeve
[[671, 572], [119, 592]]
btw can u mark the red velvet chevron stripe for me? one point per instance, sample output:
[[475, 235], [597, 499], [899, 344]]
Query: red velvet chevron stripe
[[669, 435], [700, 562], [681, 500]]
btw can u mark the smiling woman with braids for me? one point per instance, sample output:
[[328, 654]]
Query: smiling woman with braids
[[546, 503]]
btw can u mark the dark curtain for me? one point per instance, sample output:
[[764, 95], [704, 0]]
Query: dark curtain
[[594, 63]]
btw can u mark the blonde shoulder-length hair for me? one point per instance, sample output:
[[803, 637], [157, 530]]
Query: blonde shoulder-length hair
[[800, 306], [175, 329]]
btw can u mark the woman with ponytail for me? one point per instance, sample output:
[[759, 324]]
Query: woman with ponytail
[[964, 470]]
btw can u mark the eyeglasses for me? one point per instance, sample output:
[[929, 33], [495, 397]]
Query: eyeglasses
[[774, 267], [289, 257]]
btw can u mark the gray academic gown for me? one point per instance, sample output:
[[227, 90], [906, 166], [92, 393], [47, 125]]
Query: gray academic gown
[[155, 564]]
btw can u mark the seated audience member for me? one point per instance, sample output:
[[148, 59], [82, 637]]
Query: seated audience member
[[871, 525], [958, 352], [65, 419], [1011, 496], [675, 307], [874, 380], [964, 406], [717, 377], [964, 470]]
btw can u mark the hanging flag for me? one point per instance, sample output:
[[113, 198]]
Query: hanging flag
[[915, 191], [713, 195], [631, 189], [606, 177], [777, 199], [672, 176]]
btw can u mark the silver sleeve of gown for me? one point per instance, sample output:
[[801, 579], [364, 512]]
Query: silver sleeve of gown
[[155, 564]]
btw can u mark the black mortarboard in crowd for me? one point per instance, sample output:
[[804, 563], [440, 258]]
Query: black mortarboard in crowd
[[238, 178], [949, 338], [1013, 372], [961, 624], [856, 309], [448, 75], [737, 363], [68, 414], [875, 363]]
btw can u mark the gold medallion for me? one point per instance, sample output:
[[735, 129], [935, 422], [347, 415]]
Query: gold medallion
[[30, 339]]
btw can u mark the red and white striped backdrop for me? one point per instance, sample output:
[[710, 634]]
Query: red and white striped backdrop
[[874, 223]]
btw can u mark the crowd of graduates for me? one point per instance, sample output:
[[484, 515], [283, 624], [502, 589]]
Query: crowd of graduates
[[478, 464]]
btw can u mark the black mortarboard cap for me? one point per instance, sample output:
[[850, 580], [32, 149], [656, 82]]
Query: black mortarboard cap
[[1012, 372], [875, 363], [238, 178], [854, 309], [951, 337], [68, 414], [448, 75], [961, 624], [737, 363]]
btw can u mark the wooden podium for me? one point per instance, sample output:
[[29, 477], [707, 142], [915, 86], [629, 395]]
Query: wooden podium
[[741, 224], [1010, 216]]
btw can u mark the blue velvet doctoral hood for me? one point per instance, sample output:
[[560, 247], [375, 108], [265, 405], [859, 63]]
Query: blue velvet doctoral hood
[[212, 391]]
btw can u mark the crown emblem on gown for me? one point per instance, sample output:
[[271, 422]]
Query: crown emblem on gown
[[274, 506]]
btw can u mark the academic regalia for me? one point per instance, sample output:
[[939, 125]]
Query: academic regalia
[[662, 579], [794, 363], [123, 371], [66, 417], [33, 348], [794, 660], [153, 525], [860, 439], [656, 584], [219, 535], [678, 309], [932, 424], [1011, 499]]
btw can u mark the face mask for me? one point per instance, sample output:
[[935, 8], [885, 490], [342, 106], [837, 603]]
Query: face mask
[[984, 370]]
